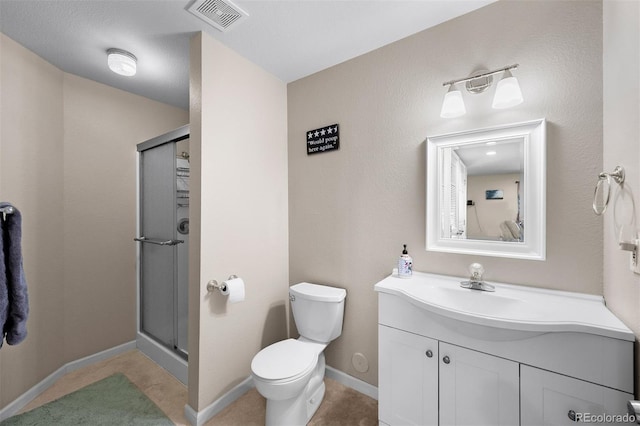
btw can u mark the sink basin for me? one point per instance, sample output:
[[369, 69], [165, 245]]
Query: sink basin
[[478, 302], [510, 307]]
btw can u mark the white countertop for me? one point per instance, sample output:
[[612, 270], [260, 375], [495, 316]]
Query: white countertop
[[510, 306]]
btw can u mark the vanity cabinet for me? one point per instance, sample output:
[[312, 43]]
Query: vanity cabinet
[[425, 382], [554, 399], [476, 388], [408, 379], [529, 357]]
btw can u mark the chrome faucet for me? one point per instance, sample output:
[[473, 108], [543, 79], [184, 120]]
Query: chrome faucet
[[475, 280]]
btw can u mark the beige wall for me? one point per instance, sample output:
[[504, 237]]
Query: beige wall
[[622, 147], [68, 161], [351, 210], [102, 127], [31, 177], [491, 213], [239, 165]]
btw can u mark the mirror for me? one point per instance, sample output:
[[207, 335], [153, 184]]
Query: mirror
[[486, 191]]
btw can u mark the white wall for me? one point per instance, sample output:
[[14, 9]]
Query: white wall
[[239, 210], [621, 112], [351, 210]]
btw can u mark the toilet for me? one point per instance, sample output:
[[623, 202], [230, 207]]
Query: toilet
[[290, 373]]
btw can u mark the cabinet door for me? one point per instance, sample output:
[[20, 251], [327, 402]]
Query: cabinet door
[[408, 378], [477, 389], [552, 399]]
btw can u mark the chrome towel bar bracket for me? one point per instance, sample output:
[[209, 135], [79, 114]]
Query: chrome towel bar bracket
[[6, 210]]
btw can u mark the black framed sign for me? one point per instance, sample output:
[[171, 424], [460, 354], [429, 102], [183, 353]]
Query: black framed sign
[[323, 139]]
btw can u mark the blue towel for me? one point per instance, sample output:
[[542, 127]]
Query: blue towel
[[14, 302]]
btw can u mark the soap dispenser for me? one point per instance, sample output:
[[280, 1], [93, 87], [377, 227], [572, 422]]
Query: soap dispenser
[[405, 264]]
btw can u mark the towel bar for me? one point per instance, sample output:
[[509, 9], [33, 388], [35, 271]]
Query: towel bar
[[158, 242], [601, 196]]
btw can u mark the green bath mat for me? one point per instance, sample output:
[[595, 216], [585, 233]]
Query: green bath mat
[[111, 401]]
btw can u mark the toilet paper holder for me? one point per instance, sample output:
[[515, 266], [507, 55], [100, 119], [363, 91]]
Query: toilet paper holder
[[213, 285]]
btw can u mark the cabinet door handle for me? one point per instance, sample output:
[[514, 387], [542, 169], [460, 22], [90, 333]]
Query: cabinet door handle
[[429, 353], [446, 360], [572, 415]]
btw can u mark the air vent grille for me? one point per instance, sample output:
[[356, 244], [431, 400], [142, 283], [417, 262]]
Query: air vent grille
[[222, 15]]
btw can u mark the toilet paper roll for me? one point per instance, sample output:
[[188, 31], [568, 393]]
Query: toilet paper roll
[[234, 289]]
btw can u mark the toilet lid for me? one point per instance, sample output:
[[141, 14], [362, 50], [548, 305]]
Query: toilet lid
[[284, 360]]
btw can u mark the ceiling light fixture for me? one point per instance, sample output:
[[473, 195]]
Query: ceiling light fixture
[[507, 94], [121, 62]]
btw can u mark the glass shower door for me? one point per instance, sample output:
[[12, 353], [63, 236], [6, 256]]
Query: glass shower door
[[158, 248]]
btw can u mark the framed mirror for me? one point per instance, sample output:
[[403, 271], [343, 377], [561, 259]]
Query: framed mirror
[[486, 191]]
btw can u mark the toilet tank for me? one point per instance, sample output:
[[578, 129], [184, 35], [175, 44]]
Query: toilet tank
[[318, 310]]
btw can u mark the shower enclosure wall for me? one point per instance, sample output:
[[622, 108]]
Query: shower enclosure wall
[[163, 240]]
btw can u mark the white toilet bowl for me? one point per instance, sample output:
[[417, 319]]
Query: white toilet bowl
[[290, 373]]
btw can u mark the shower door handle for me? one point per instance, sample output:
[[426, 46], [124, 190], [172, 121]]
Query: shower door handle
[[158, 242]]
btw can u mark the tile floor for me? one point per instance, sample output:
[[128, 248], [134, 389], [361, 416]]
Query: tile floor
[[341, 405]]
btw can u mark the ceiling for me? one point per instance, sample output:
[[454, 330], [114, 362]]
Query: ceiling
[[507, 157], [289, 38]]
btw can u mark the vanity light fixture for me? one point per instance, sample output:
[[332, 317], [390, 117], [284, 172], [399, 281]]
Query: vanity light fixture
[[453, 105], [507, 94], [121, 62]]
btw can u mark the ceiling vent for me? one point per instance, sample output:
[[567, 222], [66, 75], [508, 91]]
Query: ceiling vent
[[223, 15]]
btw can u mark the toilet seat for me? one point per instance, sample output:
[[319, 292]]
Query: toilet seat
[[284, 361]]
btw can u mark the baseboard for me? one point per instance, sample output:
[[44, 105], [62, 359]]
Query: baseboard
[[352, 382], [198, 418], [100, 356], [15, 406], [31, 394]]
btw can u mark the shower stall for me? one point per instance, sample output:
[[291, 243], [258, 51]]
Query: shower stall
[[163, 241]]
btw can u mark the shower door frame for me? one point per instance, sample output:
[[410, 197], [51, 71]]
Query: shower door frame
[[174, 361]]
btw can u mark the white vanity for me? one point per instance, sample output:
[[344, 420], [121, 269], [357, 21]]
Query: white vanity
[[517, 356]]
